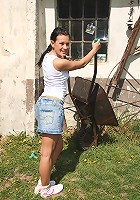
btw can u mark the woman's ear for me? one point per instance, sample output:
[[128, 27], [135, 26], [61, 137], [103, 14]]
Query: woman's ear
[[52, 43]]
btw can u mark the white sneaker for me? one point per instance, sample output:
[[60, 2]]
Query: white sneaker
[[47, 191], [37, 189]]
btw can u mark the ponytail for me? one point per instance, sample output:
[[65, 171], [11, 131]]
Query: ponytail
[[49, 48]]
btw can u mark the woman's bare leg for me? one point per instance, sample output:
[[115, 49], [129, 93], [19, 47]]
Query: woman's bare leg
[[64, 124], [49, 143], [58, 149]]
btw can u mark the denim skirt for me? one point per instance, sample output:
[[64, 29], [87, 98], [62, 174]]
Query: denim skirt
[[49, 114]]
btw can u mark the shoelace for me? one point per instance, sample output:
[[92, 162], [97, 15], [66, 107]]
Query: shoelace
[[48, 190]]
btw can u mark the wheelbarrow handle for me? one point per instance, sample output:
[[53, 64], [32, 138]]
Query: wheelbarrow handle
[[94, 76], [95, 66], [95, 69]]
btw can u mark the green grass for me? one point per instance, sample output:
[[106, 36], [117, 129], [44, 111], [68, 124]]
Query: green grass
[[109, 171]]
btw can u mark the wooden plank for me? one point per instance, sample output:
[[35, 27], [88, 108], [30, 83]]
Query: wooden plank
[[127, 52]]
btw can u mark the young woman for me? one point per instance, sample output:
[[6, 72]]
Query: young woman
[[49, 107]]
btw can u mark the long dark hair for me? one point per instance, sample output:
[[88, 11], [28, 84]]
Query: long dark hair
[[57, 31]]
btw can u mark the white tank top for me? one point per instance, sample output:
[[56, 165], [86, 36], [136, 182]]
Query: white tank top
[[54, 80]]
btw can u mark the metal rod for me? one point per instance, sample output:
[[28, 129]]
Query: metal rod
[[126, 103], [117, 87], [132, 86], [132, 76]]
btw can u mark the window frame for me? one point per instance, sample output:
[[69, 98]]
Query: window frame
[[96, 19]]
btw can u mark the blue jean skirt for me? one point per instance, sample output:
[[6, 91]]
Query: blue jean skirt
[[49, 114]]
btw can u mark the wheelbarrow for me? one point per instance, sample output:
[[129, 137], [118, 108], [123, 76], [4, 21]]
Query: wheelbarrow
[[93, 109]]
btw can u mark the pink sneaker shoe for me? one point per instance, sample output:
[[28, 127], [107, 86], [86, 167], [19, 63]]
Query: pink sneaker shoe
[[37, 189], [47, 191]]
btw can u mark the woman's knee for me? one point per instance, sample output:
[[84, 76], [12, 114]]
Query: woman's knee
[[50, 144], [45, 152]]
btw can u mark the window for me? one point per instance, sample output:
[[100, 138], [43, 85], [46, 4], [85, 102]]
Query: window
[[85, 20]]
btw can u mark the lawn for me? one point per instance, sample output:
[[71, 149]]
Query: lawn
[[109, 171]]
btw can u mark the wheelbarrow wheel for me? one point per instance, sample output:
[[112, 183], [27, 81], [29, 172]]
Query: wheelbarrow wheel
[[86, 137]]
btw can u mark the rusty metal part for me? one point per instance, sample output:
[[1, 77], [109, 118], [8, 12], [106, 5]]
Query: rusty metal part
[[98, 106], [104, 114]]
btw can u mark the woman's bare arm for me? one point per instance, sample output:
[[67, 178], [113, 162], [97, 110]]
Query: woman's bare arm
[[67, 65]]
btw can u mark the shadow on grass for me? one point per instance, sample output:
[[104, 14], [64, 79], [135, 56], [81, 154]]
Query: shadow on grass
[[67, 160], [106, 139], [69, 157]]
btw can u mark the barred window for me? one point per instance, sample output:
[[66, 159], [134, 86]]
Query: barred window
[[85, 20]]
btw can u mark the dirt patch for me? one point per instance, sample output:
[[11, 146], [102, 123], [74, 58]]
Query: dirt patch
[[22, 177], [2, 143]]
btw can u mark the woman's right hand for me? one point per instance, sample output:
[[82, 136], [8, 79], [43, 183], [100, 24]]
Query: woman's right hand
[[96, 45]]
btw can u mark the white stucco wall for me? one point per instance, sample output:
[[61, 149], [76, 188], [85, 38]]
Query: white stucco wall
[[17, 61]]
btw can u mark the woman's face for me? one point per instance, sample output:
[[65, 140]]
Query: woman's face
[[61, 45]]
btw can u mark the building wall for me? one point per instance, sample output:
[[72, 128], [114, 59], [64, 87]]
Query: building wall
[[17, 66], [45, 23]]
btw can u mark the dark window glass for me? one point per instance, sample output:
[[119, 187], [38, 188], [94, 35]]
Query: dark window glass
[[87, 48], [102, 29], [63, 8], [64, 24], [102, 8], [76, 30], [102, 53], [76, 51], [76, 8], [89, 9]]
